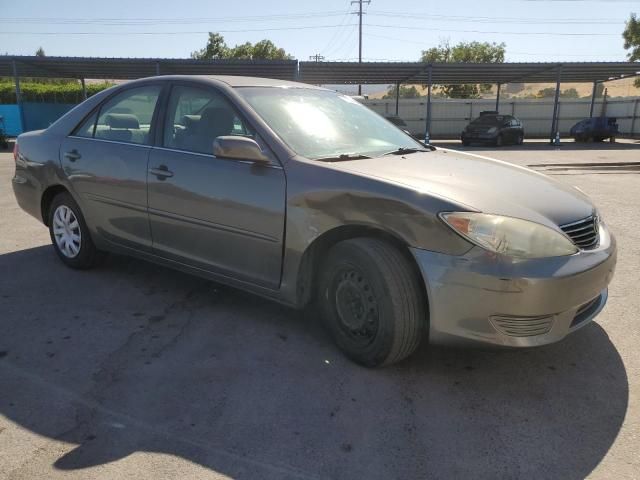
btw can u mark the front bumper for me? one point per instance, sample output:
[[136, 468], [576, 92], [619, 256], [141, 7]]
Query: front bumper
[[482, 297], [478, 137]]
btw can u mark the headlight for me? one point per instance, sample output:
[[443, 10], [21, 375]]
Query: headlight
[[492, 130], [510, 236]]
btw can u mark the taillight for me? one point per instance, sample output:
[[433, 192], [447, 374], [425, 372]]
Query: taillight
[[15, 151]]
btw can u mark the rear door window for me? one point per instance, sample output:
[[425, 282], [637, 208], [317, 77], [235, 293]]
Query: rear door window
[[127, 116]]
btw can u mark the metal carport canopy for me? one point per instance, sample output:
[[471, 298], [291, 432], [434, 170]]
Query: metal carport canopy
[[327, 73], [130, 68]]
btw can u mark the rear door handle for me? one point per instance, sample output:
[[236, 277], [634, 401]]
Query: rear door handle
[[73, 155], [161, 172]]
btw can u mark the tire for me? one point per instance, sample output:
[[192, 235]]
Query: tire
[[499, 141], [66, 220], [465, 143], [371, 302], [520, 139]]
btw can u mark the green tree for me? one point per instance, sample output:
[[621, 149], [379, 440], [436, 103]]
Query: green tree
[[570, 93], [550, 92], [216, 48], [40, 52], [266, 49], [465, 52], [631, 37], [405, 92]]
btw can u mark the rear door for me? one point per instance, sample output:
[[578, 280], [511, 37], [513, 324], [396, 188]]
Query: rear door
[[221, 215], [105, 160]]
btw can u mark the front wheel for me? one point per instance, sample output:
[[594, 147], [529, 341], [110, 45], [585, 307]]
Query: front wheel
[[499, 141], [372, 302], [69, 234]]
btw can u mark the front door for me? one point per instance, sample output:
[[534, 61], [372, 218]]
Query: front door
[[105, 160], [221, 215]]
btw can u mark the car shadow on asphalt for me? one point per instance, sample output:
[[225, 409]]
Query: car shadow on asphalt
[[132, 357]]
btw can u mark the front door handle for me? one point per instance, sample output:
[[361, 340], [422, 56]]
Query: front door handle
[[161, 172], [73, 155]]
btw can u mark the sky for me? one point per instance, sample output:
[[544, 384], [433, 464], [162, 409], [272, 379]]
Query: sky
[[533, 30]]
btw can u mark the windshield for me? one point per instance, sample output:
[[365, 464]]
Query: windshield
[[321, 124], [488, 120]]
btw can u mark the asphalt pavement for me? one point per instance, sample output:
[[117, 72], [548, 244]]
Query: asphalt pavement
[[136, 371]]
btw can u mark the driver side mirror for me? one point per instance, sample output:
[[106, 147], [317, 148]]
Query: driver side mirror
[[239, 148]]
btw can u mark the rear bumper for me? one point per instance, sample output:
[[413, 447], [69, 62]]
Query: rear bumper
[[28, 192], [485, 298]]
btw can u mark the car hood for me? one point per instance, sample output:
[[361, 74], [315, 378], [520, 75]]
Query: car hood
[[479, 183]]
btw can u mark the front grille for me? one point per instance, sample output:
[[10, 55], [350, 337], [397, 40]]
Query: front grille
[[584, 233], [522, 326]]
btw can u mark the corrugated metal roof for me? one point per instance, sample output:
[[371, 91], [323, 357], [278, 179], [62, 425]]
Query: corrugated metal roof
[[461, 73], [322, 73], [130, 68]]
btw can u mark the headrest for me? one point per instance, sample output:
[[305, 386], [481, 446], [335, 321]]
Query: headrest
[[190, 121], [122, 120], [218, 115]]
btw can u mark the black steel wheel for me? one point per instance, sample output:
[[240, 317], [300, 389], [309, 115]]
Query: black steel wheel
[[372, 302]]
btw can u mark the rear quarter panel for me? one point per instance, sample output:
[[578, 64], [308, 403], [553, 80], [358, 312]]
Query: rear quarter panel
[[37, 168]]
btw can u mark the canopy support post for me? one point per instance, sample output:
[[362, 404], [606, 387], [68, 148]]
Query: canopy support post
[[427, 133], [554, 138], [498, 98], [397, 98], [84, 89], [593, 99], [16, 80]]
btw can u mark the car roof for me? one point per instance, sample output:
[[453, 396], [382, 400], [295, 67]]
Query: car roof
[[234, 81]]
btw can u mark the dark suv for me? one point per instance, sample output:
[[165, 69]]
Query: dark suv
[[494, 129], [595, 129]]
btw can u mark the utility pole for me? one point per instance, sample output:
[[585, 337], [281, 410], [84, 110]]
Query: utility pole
[[359, 13], [317, 57]]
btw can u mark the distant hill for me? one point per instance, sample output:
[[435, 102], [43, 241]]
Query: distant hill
[[616, 88]]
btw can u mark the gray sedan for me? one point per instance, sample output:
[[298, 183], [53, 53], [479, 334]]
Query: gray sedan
[[304, 196]]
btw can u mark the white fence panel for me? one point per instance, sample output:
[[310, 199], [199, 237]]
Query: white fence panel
[[450, 116]]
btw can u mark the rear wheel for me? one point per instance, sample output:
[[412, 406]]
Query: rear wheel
[[520, 139], [69, 234], [372, 302]]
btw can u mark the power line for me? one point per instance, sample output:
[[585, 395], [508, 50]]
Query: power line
[[171, 21], [480, 19], [337, 33], [425, 45], [311, 27], [428, 29], [308, 27]]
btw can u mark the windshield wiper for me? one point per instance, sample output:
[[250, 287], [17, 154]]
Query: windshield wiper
[[344, 157], [405, 150]]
